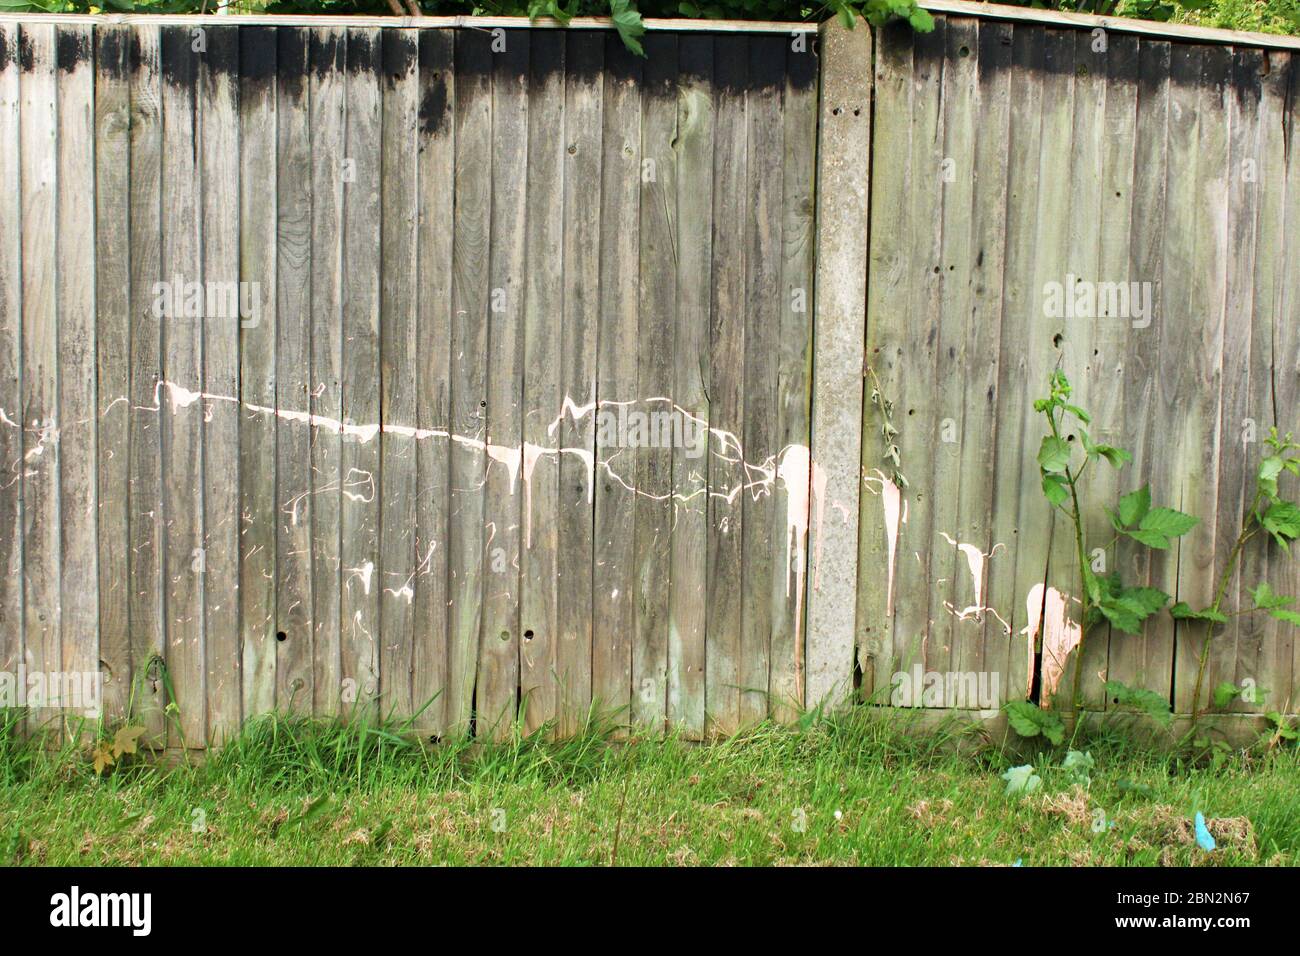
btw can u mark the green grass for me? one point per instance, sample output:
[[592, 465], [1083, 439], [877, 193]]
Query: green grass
[[852, 790]]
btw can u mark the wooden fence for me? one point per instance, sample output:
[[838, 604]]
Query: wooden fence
[[478, 374], [349, 367], [1018, 167]]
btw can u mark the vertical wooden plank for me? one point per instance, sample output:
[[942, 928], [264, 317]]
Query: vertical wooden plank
[[916, 396], [258, 188], [78, 406], [1091, 349], [469, 342], [1264, 645], [359, 465], [1048, 336], [727, 473], [327, 55], [984, 650], [952, 577], [765, 149], [1018, 504], [113, 348], [145, 560], [1199, 335], [498, 680], [573, 430], [690, 535], [1112, 341], [1286, 386], [890, 276], [612, 561], [1147, 663], [838, 343], [1237, 650], [183, 408], [437, 205], [651, 458], [293, 479], [397, 345], [38, 99], [219, 162], [12, 575], [543, 314]]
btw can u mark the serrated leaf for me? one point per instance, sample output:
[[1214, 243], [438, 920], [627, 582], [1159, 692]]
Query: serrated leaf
[[1055, 489], [1271, 467], [103, 759], [1183, 612], [1115, 456], [1152, 539], [1148, 702], [1134, 507], [1079, 765], [1265, 597], [1124, 617], [1079, 413], [1029, 720], [1054, 454], [1022, 780], [1167, 521], [124, 741], [921, 20], [1148, 599], [1225, 694], [1290, 617], [1282, 520]]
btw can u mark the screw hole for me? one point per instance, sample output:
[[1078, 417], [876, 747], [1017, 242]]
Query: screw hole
[[281, 636]]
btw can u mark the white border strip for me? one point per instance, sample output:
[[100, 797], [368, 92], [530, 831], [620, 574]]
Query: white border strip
[[990, 11], [1151, 28], [478, 23]]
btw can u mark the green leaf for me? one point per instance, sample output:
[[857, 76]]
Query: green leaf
[[1168, 522], [1122, 616], [1055, 488], [1183, 612], [921, 20], [1079, 413], [1054, 454], [1152, 539], [1265, 597], [1146, 701], [627, 20], [1079, 765], [1114, 456], [1022, 780], [1134, 507], [1282, 521], [1029, 720], [1290, 617], [1147, 600], [1225, 694]]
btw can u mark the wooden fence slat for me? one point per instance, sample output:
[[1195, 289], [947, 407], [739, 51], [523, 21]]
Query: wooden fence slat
[[1119, 143], [293, 384], [258, 189], [327, 91], [471, 284], [359, 664], [113, 367], [952, 578], [39, 138], [612, 581], [498, 681], [78, 406], [145, 559], [572, 429], [437, 204], [543, 311], [218, 98], [1146, 663], [397, 378], [889, 275], [694, 205], [650, 460], [727, 472], [765, 149], [11, 362], [1012, 578]]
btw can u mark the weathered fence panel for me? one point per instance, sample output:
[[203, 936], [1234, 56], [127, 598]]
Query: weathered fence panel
[[1010, 160], [444, 372]]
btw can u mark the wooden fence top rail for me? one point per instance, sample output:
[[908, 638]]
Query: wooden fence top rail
[[994, 11]]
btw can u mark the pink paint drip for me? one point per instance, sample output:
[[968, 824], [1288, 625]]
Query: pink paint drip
[[1061, 635]]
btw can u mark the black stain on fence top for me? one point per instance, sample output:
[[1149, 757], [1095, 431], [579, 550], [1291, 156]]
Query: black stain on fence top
[[328, 54], [362, 54], [178, 57], [435, 65], [26, 52], [257, 56], [72, 49], [291, 68], [399, 55], [6, 51], [113, 53]]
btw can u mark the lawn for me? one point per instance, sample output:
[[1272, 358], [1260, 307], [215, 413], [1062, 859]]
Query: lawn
[[854, 789]]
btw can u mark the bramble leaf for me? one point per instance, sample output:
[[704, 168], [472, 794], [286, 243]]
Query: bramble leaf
[[1282, 521], [1152, 539], [1183, 611], [1055, 489], [1054, 454], [1147, 701], [1225, 694], [1029, 720], [1168, 522], [1022, 780], [1266, 598], [1134, 507]]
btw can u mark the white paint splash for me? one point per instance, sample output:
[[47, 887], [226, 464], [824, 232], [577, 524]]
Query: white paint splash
[[895, 511], [976, 561], [1061, 635]]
